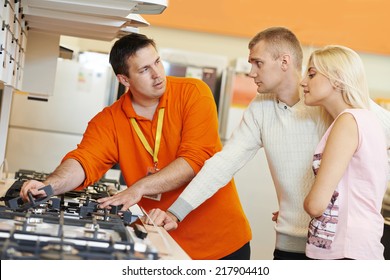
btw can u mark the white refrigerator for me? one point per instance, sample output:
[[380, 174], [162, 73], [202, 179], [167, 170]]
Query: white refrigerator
[[43, 129]]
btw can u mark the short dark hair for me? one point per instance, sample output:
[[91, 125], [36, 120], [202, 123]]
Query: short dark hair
[[125, 47]]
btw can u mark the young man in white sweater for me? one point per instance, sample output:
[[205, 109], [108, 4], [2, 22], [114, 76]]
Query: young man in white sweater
[[278, 121]]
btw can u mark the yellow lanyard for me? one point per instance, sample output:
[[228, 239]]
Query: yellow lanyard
[[158, 135]]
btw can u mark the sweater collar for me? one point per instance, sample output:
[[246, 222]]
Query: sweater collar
[[284, 106]]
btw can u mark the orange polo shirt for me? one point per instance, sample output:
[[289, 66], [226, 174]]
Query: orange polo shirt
[[190, 131]]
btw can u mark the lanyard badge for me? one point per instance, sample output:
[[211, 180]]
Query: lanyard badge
[[154, 153]]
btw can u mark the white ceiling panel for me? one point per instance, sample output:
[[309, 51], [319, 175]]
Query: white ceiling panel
[[91, 19], [77, 32], [85, 7], [44, 15]]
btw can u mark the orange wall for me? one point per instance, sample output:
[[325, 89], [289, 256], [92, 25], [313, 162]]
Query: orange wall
[[363, 25]]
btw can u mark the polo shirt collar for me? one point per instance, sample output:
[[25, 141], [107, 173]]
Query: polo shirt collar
[[127, 106]]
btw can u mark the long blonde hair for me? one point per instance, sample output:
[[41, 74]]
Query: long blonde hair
[[345, 70]]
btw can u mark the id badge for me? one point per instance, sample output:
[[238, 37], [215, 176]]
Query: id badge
[[150, 171]]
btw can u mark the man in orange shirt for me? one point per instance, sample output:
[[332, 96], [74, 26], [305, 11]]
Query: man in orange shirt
[[160, 132]]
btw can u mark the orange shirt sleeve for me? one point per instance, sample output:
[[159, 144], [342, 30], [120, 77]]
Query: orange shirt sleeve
[[200, 138], [97, 151]]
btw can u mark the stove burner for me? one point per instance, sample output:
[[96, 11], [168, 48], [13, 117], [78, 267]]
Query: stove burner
[[68, 227]]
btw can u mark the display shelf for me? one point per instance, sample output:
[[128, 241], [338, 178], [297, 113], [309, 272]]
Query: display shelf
[[13, 36]]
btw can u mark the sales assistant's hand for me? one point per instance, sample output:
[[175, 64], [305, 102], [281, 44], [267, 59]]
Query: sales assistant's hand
[[128, 198], [33, 186], [162, 218]]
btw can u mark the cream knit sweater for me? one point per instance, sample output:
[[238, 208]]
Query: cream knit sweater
[[289, 136]]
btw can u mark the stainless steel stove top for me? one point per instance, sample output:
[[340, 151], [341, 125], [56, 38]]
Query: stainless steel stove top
[[70, 226]]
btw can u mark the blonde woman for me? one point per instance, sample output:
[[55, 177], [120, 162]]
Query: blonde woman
[[350, 162]]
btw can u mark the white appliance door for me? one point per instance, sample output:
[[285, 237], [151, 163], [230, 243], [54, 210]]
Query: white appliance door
[[40, 132]]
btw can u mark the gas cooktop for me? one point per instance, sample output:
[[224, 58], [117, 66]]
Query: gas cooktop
[[70, 226]]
